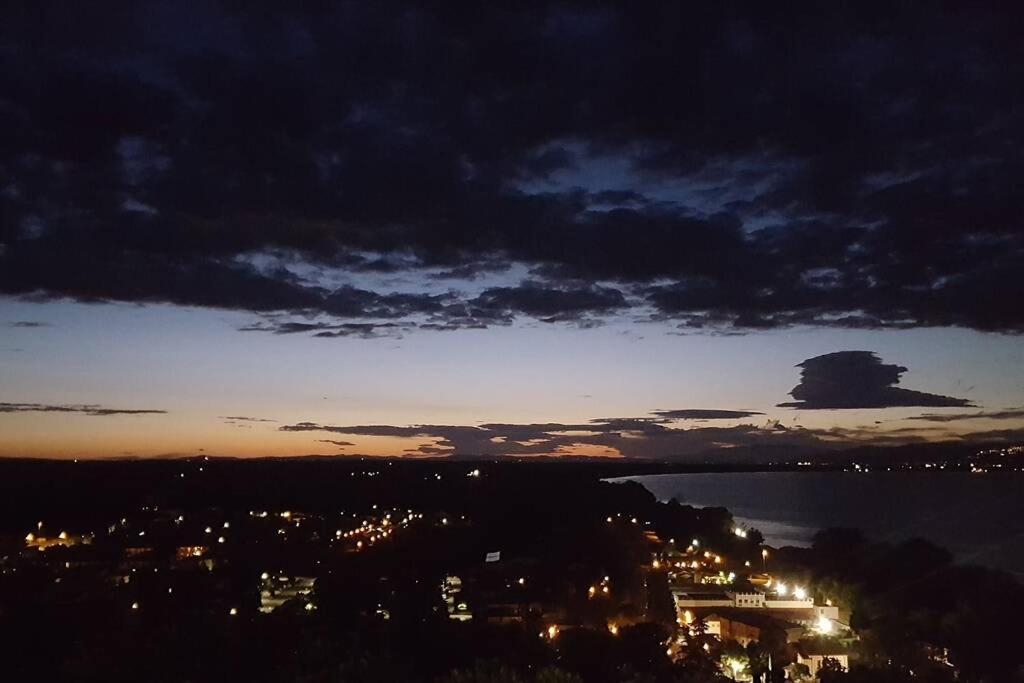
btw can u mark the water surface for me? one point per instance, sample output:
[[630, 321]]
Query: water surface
[[980, 517]]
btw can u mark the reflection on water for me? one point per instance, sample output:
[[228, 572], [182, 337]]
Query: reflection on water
[[978, 517]]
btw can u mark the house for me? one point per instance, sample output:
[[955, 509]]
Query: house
[[812, 653], [745, 626]]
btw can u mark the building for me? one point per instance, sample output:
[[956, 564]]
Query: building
[[803, 611], [277, 590], [697, 599], [753, 599], [451, 593], [61, 540], [813, 653], [188, 552], [745, 626]]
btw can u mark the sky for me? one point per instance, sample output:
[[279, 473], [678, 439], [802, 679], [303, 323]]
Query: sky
[[641, 231]]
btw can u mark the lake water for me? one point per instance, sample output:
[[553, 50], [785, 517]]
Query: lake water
[[979, 517]]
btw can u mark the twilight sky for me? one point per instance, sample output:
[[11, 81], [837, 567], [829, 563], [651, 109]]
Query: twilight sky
[[372, 228]]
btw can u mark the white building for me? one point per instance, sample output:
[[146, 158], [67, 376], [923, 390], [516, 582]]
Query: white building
[[277, 590], [801, 610], [813, 659]]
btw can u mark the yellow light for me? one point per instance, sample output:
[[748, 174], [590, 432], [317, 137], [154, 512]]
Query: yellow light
[[799, 593], [781, 589], [233, 611], [359, 544], [264, 576], [764, 553], [135, 605], [656, 564], [687, 617], [522, 581], [609, 520], [552, 631], [613, 629], [605, 590], [220, 539], [823, 625], [63, 536], [31, 537]]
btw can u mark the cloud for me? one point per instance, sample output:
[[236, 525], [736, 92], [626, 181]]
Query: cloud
[[339, 444], [330, 330], [92, 410], [827, 179], [626, 437], [28, 324], [705, 414], [858, 379], [547, 303], [1009, 414], [242, 421]]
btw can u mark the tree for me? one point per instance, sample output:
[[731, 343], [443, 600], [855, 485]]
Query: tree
[[831, 671], [484, 672]]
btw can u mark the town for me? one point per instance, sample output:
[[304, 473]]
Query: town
[[428, 571]]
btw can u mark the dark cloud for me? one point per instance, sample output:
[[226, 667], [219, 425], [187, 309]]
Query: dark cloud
[[550, 304], [1009, 414], [92, 410], [339, 444], [243, 421], [858, 379], [628, 437], [704, 414], [645, 438], [329, 330], [842, 166], [28, 324]]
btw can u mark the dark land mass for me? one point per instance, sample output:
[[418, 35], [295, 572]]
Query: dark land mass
[[361, 571]]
